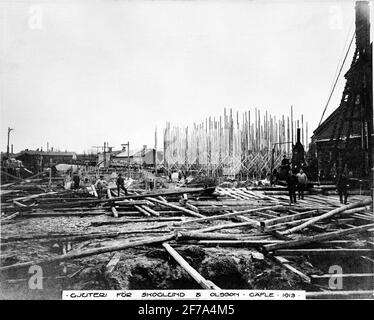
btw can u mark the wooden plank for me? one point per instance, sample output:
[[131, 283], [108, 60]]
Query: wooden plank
[[328, 214], [77, 236], [285, 263], [283, 225], [230, 226], [151, 211], [11, 216], [128, 203], [236, 243], [232, 214], [317, 238], [109, 193], [87, 253], [191, 271], [323, 251], [63, 214], [114, 211], [291, 217], [141, 210], [112, 264], [139, 196], [190, 212], [162, 198], [94, 191], [218, 236], [19, 204], [119, 221], [191, 207], [33, 196]]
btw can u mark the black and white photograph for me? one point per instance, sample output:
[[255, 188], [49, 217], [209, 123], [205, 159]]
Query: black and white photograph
[[186, 150]]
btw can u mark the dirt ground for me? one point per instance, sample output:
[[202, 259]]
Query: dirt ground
[[148, 267]]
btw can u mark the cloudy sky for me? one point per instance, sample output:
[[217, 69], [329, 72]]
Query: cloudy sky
[[78, 73]]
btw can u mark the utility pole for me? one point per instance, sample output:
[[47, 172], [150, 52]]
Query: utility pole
[[50, 173], [128, 156], [7, 147], [291, 127], [155, 152], [104, 154]]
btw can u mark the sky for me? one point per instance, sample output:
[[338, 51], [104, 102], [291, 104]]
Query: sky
[[80, 73]]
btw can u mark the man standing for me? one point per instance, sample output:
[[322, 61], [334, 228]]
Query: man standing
[[76, 180], [291, 183], [302, 181], [100, 186], [342, 185], [121, 184]]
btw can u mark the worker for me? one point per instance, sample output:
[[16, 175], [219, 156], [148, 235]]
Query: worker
[[86, 184], [342, 185], [121, 184], [274, 177], [291, 184], [285, 162], [302, 181], [76, 180], [100, 186]]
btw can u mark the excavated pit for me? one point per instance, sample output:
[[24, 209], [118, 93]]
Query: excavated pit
[[239, 269]]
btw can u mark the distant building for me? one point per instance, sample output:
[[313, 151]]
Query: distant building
[[144, 157], [89, 159], [36, 161]]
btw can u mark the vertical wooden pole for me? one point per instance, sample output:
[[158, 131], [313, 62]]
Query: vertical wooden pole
[[302, 130], [288, 135], [292, 132]]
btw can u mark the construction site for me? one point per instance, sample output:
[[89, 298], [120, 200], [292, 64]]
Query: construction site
[[210, 207]]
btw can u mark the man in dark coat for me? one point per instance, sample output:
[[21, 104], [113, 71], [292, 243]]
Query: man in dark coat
[[121, 184], [291, 184], [342, 185], [76, 180]]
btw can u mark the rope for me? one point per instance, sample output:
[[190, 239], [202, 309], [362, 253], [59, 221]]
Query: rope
[[336, 80]]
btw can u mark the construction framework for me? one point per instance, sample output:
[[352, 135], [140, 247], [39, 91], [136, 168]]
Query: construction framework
[[344, 140], [236, 146]]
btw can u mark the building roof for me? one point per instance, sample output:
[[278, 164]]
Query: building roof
[[141, 155], [50, 153], [124, 154]]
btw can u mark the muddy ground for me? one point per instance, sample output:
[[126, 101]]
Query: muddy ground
[[148, 267]]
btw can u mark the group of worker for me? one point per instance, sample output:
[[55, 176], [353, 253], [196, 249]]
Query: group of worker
[[300, 180], [100, 185], [297, 182]]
